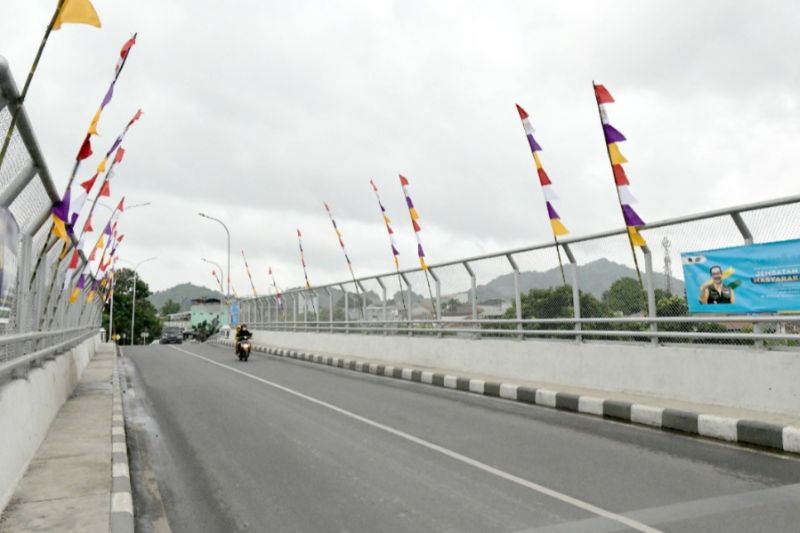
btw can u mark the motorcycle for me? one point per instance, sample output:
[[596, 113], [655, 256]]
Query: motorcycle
[[243, 350]]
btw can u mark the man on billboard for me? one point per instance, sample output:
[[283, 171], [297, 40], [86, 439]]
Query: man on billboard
[[715, 291]]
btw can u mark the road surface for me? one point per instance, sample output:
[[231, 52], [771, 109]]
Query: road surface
[[281, 445]]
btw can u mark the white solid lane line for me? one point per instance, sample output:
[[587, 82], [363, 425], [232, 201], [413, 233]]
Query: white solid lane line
[[638, 526]]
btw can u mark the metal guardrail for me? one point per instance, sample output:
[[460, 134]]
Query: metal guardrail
[[54, 343], [27, 190], [307, 310]]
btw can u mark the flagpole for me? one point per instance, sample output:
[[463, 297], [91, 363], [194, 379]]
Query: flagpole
[[249, 275], [619, 198], [347, 260], [28, 80]]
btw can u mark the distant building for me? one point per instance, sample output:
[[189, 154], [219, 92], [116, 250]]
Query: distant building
[[181, 320], [494, 307], [208, 309]]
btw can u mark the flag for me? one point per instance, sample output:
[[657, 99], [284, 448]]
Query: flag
[[412, 211], [388, 223], [278, 296], [121, 205], [86, 148], [303, 258], [613, 137], [77, 12], [119, 155], [105, 189], [87, 226], [340, 239], [556, 225]]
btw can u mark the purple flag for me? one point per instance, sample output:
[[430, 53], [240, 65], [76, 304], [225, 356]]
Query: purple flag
[[612, 134], [534, 145], [420, 252], [81, 282], [394, 250], [61, 208], [409, 203], [108, 96], [551, 212], [630, 216], [107, 231]]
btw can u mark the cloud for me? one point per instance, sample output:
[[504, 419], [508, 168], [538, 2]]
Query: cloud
[[257, 112]]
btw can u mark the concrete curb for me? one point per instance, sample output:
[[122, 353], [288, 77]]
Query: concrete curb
[[748, 432], [121, 493]]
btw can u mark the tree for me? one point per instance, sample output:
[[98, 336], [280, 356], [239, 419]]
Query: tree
[[625, 296], [146, 314], [556, 302], [170, 307], [206, 329]]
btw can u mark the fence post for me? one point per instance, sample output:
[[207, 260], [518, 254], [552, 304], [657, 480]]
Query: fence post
[[409, 309], [651, 294], [330, 308], [363, 327], [346, 310], [473, 296], [383, 303], [295, 303], [437, 305], [576, 292], [23, 277], [517, 293], [748, 239]]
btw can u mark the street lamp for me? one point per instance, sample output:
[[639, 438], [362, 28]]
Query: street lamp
[[216, 265], [228, 295], [133, 303]]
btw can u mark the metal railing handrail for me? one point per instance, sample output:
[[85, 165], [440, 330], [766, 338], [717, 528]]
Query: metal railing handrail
[[564, 243], [44, 353], [5, 340]]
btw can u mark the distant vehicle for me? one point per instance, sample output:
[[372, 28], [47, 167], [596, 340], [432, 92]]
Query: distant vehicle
[[171, 336]]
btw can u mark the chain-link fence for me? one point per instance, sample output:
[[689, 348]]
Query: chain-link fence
[[36, 318], [585, 288]]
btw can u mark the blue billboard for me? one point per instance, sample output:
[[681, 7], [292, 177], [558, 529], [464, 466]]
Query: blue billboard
[[755, 278], [234, 313]]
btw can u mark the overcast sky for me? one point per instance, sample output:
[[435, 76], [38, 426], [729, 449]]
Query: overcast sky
[[257, 111]]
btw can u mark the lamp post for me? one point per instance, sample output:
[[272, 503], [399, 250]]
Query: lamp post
[[216, 265], [114, 276], [228, 272], [133, 303]]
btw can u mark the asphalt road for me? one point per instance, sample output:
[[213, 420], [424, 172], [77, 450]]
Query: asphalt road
[[281, 445]]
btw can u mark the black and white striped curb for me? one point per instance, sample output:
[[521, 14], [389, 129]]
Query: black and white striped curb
[[121, 495], [748, 432]]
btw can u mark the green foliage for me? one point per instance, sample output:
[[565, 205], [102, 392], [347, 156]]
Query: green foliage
[[170, 307], [625, 297], [183, 294], [206, 329], [146, 314]]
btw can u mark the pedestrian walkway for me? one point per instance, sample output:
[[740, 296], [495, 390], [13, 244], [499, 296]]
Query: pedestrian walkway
[[67, 486]]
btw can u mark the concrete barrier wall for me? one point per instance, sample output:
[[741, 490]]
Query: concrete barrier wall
[[761, 380], [28, 406]]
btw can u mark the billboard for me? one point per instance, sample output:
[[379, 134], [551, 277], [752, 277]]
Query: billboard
[[755, 278], [9, 234]]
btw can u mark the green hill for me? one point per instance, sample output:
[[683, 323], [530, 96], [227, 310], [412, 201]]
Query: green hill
[[183, 294]]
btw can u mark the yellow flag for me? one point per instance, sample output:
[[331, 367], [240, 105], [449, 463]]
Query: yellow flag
[[636, 237], [59, 230], [536, 160], [101, 166], [558, 228], [74, 296], [90, 297], [93, 125], [422, 264], [616, 156], [414, 214], [77, 12], [100, 243]]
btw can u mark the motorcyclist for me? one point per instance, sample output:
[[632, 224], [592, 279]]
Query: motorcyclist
[[242, 334]]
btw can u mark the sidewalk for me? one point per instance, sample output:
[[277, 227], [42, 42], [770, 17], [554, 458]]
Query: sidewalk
[[769, 430], [67, 486]]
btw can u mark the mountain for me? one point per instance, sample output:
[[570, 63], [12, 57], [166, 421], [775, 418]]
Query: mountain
[[594, 277], [183, 294]]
